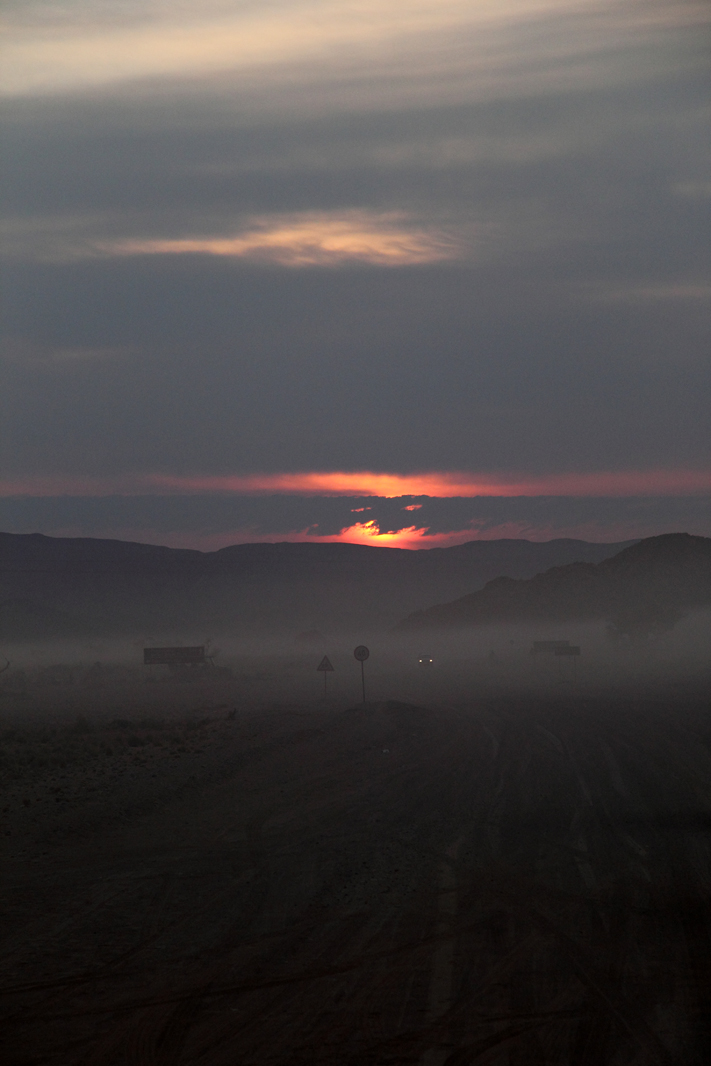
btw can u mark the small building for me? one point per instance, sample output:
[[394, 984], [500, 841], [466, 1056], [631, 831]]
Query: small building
[[175, 656], [549, 647]]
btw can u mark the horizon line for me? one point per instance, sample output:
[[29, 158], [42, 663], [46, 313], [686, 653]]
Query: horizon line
[[358, 535]]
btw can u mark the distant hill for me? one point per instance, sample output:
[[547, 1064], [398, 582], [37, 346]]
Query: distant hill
[[70, 586], [645, 587]]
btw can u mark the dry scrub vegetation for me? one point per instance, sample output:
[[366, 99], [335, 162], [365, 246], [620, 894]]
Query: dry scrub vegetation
[[42, 766]]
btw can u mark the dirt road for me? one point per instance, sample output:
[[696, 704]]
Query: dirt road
[[492, 881]]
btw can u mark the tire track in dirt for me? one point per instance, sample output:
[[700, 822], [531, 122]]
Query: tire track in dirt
[[310, 918], [442, 981]]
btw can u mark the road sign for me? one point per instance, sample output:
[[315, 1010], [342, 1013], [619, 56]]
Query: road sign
[[326, 668], [361, 653]]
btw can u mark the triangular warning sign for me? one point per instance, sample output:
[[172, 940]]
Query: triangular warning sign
[[325, 664]]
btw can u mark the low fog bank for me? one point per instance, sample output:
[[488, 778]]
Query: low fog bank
[[104, 677]]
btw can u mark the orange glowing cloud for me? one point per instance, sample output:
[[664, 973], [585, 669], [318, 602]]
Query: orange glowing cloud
[[370, 483], [311, 239]]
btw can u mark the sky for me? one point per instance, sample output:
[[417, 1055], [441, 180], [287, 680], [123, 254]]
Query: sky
[[404, 274]]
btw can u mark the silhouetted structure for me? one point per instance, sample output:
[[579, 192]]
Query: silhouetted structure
[[175, 656]]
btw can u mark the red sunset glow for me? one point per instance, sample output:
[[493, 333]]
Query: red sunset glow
[[369, 483], [445, 483], [369, 533]]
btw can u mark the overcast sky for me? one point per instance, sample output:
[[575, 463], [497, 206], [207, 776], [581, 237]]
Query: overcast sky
[[344, 248]]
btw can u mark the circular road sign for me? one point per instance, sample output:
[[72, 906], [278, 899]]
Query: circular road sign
[[361, 653]]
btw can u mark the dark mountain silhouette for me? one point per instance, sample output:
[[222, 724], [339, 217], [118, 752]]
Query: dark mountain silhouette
[[646, 587], [66, 586]]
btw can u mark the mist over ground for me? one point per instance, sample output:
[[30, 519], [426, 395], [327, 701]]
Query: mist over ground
[[58, 677]]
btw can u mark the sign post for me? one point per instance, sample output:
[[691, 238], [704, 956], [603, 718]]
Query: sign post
[[361, 653], [325, 668]]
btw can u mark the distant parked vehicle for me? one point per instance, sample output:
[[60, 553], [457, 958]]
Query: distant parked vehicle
[[186, 664], [549, 647], [176, 656]]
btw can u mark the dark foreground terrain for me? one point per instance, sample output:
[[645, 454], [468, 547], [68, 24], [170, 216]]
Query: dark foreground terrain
[[496, 880]]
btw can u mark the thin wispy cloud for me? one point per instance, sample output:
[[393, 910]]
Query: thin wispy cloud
[[430, 37], [293, 239], [311, 239], [693, 190], [648, 292]]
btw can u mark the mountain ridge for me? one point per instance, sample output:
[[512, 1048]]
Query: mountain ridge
[[113, 586], [645, 587]]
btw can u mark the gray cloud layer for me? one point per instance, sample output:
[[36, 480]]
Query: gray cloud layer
[[204, 521], [568, 330]]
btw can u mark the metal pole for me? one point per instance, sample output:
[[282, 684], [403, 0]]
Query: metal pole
[[325, 675], [362, 677]]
